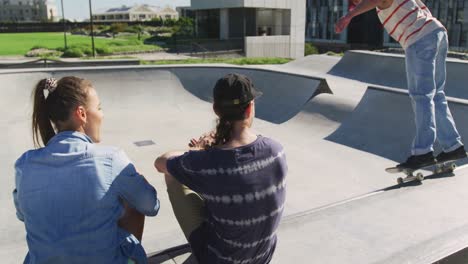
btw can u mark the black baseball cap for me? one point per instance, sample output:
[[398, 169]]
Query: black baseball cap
[[234, 89]]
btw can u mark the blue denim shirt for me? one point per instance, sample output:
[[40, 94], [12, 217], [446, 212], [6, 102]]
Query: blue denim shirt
[[69, 193]]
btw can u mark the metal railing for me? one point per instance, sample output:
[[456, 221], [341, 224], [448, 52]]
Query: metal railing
[[55, 63]]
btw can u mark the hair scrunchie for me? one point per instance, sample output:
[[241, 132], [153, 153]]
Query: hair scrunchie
[[51, 84]]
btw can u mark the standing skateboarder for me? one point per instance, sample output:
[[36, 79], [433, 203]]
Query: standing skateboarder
[[424, 40]]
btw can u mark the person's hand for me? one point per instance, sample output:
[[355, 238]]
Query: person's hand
[[205, 140], [342, 24]]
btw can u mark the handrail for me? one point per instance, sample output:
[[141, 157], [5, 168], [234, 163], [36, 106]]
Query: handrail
[[45, 61], [48, 62]]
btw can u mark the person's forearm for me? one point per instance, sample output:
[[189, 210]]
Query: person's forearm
[[160, 162], [363, 7]]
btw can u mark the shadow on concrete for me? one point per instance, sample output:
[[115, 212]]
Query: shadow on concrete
[[389, 70], [276, 105], [382, 124]]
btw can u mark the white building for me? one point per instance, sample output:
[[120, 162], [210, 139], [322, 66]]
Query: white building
[[267, 28], [28, 10], [135, 13]]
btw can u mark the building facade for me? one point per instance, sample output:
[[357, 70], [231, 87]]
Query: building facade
[[365, 29], [28, 11], [266, 28], [135, 13], [321, 18], [185, 11]]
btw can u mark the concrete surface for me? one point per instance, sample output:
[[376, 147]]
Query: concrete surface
[[341, 206], [140, 103], [385, 115], [389, 70]]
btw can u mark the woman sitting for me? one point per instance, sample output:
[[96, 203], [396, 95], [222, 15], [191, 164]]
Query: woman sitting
[[80, 202]]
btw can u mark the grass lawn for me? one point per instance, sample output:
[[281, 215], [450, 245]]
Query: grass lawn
[[21, 43], [237, 61]]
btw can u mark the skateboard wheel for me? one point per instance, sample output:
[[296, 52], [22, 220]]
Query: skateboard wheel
[[400, 180], [453, 166], [420, 177]]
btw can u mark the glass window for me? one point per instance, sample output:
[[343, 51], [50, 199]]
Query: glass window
[[452, 13], [322, 16], [208, 23]]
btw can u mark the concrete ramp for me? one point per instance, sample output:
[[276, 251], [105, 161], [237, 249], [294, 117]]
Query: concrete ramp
[[148, 111], [389, 70], [287, 92], [382, 123], [318, 63], [333, 213]]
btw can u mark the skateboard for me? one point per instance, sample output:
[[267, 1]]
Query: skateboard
[[415, 174]]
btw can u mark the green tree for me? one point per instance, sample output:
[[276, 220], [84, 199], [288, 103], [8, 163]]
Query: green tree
[[184, 27], [169, 22], [117, 28], [139, 30], [157, 21]]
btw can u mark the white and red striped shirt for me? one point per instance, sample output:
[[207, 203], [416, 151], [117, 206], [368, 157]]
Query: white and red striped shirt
[[407, 21]]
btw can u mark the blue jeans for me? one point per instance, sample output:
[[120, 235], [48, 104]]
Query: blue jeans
[[426, 75]]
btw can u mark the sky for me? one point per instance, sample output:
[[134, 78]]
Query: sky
[[79, 9]]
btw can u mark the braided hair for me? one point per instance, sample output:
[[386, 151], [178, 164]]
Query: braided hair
[[225, 122]]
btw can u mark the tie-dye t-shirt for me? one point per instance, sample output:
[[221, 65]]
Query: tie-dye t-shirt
[[244, 193]]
